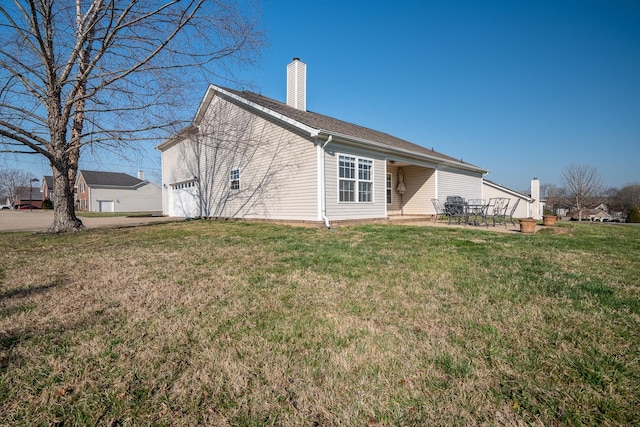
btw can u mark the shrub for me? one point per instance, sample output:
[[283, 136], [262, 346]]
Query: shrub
[[634, 214], [47, 204]]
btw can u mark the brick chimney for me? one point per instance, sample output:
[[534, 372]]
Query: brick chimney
[[297, 84]]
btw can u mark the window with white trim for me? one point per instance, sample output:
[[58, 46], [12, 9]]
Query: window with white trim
[[234, 179], [349, 181], [389, 189]]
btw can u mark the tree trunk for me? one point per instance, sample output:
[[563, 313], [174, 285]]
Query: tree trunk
[[64, 213]]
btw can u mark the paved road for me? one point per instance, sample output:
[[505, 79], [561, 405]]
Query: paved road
[[40, 220]]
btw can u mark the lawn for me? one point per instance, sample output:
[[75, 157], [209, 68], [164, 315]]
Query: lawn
[[222, 323]]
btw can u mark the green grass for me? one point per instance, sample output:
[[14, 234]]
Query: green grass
[[222, 323]]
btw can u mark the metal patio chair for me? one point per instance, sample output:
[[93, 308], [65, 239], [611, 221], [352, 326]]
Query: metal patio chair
[[513, 210], [500, 211], [440, 210], [493, 209]]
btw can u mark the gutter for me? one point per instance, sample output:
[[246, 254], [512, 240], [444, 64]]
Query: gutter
[[323, 192]]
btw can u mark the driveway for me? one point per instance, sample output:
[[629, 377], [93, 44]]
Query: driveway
[[40, 220]]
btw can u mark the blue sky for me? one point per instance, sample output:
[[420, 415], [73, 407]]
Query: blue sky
[[522, 88]]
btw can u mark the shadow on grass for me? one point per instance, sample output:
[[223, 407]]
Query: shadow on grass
[[47, 333], [9, 306], [28, 291]]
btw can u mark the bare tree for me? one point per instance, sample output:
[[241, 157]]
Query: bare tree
[[218, 150], [627, 197], [107, 74], [11, 180], [583, 185], [555, 196]]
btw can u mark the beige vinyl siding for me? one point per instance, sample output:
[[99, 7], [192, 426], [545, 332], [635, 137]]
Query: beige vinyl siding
[[337, 210], [280, 180], [145, 198], [523, 209], [173, 171], [420, 184], [278, 173], [458, 182]]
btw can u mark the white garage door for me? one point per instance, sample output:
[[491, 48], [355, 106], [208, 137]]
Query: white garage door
[[183, 203], [106, 206]]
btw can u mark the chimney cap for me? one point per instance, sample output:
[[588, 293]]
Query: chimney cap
[[296, 59]]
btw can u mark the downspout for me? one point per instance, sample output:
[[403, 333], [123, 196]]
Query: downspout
[[323, 191]]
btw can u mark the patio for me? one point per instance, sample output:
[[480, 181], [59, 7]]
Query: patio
[[427, 221]]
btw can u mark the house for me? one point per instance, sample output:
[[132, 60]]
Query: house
[[116, 192], [47, 187], [249, 156], [595, 214], [603, 207], [525, 204], [24, 199], [598, 214]]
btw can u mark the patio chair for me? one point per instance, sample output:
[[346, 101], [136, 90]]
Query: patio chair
[[500, 211], [513, 210], [440, 210], [494, 209]]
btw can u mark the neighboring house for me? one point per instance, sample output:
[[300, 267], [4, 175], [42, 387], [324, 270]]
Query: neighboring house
[[116, 192], [525, 203], [596, 214], [561, 211], [23, 198], [603, 207], [47, 187], [249, 156]]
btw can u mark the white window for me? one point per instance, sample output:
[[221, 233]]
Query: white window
[[389, 189], [349, 180], [234, 179], [82, 187]]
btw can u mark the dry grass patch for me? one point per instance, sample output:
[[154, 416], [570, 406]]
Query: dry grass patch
[[251, 324]]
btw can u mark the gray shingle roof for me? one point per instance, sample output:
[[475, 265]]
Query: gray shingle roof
[[115, 179], [22, 194], [332, 125], [49, 180]]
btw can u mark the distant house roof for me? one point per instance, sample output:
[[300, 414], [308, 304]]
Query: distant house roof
[[22, 194], [109, 179], [319, 124], [595, 212], [48, 179]]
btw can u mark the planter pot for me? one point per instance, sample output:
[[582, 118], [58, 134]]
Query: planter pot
[[528, 225], [549, 220]]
